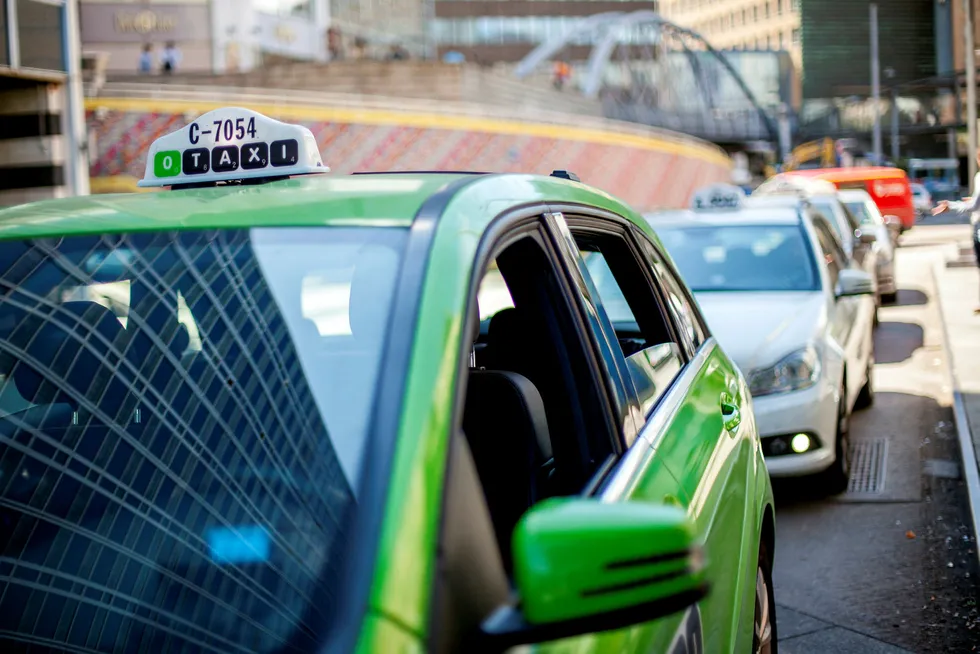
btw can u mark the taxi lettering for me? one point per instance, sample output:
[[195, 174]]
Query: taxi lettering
[[224, 145]]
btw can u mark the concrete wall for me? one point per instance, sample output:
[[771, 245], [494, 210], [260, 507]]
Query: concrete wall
[[32, 143], [648, 168]]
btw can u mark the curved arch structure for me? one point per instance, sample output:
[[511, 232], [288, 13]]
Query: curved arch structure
[[746, 121]]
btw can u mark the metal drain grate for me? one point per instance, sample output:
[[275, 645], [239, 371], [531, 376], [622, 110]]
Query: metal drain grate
[[868, 467]]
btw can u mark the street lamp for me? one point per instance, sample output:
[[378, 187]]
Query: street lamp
[[876, 84]]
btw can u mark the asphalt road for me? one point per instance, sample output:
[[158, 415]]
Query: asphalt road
[[890, 566]]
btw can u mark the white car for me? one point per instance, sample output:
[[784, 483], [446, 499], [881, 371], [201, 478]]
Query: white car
[[786, 303], [864, 208], [921, 199]]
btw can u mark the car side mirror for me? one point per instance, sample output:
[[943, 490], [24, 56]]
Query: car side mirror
[[582, 566], [854, 282]]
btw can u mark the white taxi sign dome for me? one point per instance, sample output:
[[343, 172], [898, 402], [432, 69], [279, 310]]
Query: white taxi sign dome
[[718, 196], [231, 144]]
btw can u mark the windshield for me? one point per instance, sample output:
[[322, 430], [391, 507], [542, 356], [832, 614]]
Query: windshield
[[742, 257], [183, 418]]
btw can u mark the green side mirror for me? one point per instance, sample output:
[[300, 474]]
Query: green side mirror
[[582, 566]]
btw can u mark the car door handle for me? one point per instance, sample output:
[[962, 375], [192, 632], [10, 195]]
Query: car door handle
[[730, 414]]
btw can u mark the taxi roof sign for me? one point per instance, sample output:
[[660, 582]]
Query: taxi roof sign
[[231, 144], [718, 196]]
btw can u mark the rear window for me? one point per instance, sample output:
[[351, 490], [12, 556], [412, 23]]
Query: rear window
[[183, 418]]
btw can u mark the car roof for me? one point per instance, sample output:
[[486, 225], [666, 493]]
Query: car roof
[[855, 174], [748, 215], [379, 200]]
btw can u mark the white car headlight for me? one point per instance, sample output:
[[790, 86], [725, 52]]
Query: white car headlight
[[794, 372]]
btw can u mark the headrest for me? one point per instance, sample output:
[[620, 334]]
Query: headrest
[[495, 396]]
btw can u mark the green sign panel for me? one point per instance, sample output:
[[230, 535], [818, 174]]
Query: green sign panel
[[167, 163]]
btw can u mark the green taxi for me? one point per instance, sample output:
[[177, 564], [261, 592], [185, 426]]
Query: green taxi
[[274, 411]]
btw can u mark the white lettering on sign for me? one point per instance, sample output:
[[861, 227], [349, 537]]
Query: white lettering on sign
[[885, 189], [231, 144]]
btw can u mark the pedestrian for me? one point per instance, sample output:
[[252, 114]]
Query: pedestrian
[[146, 60], [562, 71], [969, 205], [170, 58]]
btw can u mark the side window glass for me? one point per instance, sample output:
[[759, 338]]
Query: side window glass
[[611, 295], [852, 220], [684, 311], [831, 255], [643, 327]]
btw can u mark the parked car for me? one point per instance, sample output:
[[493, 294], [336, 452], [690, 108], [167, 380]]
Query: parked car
[[888, 187], [257, 412], [861, 205], [797, 317], [858, 244]]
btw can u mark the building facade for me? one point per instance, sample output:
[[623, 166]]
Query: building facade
[[490, 31], [42, 119], [743, 24], [210, 36]]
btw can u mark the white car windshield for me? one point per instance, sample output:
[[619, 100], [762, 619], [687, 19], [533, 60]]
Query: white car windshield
[[743, 257]]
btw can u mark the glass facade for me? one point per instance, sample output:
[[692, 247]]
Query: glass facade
[[496, 30], [40, 31]]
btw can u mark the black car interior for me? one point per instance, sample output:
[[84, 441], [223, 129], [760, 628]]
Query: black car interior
[[529, 419]]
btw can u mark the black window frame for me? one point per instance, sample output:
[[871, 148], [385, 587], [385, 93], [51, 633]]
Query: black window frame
[[581, 220], [505, 230], [591, 219]]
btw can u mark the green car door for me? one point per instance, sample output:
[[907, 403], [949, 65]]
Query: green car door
[[698, 444]]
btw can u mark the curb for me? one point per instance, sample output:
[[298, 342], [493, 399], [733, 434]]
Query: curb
[[971, 471]]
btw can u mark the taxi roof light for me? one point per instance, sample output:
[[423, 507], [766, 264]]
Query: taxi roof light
[[231, 144], [718, 197]]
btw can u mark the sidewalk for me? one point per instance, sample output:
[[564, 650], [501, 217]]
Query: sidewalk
[[958, 287]]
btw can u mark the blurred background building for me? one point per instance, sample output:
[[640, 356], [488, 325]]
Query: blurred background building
[[742, 24], [209, 35], [491, 31], [42, 121]]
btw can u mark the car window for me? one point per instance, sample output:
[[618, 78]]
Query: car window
[[832, 211], [742, 257], [534, 425], [852, 219], [617, 308], [860, 210], [183, 422], [832, 255], [682, 306], [648, 336]]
